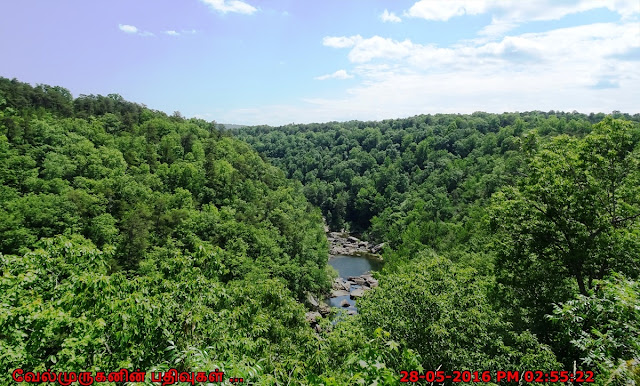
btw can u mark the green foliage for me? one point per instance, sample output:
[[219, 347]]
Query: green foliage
[[129, 238], [442, 311], [572, 219], [122, 230], [604, 327]]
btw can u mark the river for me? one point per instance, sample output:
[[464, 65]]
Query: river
[[352, 266]]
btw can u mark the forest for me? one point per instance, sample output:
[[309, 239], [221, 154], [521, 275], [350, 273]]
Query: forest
[[130, 238]]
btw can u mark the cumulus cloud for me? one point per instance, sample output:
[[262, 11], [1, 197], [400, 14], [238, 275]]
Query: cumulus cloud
[[589, 68], [130, 29], [234, 6], [445, 10], [601, 40], [172, 33], [585, 68], [389, 17], [341, 41], [364, 50], [517, 10], [507, 15], [340, 74]]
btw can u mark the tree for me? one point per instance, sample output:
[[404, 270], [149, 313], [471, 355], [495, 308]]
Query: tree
[[441, 310], [572, 219]]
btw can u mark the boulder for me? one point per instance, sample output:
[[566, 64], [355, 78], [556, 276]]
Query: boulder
[[357, 293], [313, 302], [353, 239], [377, 248], [312, 317], [352, 312], [336, 293], [341, 285], [357, 280], [344, 303], [324, 310], [371, 282]]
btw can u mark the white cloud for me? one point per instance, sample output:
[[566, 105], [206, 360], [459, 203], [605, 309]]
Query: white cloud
[[390, 17], [235, 6], [445, 10], [341, 42], [380, 48], [517, 10], [365, 50], [507, 15], [579, 68], [130, 29], [340, 74], [172, 33]]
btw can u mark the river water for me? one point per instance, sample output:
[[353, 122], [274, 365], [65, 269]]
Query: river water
[[351, 266]]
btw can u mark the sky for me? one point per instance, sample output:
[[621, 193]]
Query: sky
[[285, 61]]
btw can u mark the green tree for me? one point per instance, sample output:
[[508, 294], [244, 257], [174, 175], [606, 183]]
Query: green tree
[[571, 220]]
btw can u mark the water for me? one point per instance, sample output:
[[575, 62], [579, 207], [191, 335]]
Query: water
[[354, 265], [351, 266]]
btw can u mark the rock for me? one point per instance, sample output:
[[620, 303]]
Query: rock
[[344, 303], [353, 239], [352, 312], [312, 300], [357, 280], [371, 282], [377, 248], [324, 310], [341, 285], [312, 317], [357, 293], [318, 328], [336, 293]]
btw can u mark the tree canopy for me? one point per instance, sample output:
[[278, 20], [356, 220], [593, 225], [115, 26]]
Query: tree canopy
[[130, 238]]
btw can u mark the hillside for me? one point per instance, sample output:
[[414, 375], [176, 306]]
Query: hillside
[[510, 227], [133, 239]]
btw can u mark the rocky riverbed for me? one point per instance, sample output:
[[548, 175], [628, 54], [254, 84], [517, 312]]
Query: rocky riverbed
[[345, 290], [345, 244]]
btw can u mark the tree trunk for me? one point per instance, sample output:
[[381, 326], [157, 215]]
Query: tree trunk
[[580, 280]]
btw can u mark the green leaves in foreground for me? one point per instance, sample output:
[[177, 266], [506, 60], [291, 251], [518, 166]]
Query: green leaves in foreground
[[441, 310], [604, 327]]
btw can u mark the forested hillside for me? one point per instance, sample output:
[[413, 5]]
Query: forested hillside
[[133, 239], [129, 238], [500, 229]]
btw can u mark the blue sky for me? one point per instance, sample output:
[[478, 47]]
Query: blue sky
[[282, 61]]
